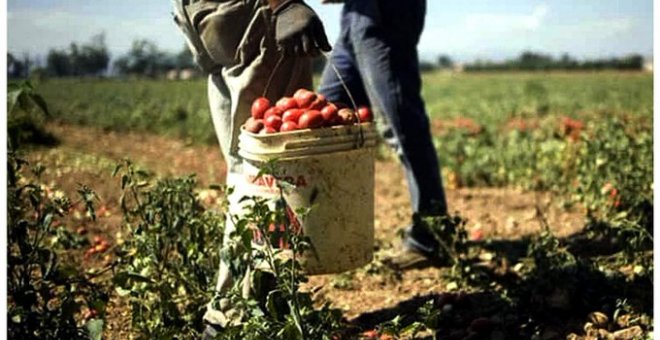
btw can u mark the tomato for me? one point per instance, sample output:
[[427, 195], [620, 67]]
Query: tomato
[[347, 116], [330, 116], [267, 130], [292, 115], [273, 111], [614, 193], [318, 103], [286, 103], [288, 126], [365, 114], [304, 98], [254, 125], [91, 251], [89, 314], [259, 107], [370, 334], [102, 247], [273, 122], [311, 119]]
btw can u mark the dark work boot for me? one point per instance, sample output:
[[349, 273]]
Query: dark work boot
[[420, 247]]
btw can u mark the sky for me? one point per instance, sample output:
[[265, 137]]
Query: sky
[[465, 30]]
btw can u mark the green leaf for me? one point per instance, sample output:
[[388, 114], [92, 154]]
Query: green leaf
[[122, 292], [12, 99], [41, 103], [94, 329], [272, 305], [121, 278]]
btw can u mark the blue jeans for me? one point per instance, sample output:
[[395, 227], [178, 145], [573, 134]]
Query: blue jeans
[[376, 55]]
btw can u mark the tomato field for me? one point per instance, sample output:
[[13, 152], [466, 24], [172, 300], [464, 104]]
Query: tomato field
[[549, 178]]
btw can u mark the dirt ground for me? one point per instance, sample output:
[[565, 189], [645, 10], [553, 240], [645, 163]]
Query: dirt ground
[[88, 155]]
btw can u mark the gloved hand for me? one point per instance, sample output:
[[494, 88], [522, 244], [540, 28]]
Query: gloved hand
[[298, 30], [331, 1]]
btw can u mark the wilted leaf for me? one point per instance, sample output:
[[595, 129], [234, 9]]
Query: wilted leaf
[[94, 329]]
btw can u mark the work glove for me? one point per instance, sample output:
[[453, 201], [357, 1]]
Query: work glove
[[298, 30]]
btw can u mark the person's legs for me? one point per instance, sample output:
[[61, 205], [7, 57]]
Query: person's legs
[[342, 61], [405, 24], [387, 62]]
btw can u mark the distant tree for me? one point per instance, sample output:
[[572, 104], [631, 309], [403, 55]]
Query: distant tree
[[568, 63], [184, 59], [534, 61], [90, 59], [631, 62], [58, 63], [425, 66], [94, 57], [144, 58], [445, 62], [15, 67]]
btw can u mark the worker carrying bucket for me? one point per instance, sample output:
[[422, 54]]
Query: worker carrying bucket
[[252, 49], [239, 43]]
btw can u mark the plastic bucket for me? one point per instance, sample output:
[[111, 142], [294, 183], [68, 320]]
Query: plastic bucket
[[332, 172]]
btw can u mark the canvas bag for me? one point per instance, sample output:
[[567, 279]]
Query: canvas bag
[[213, 29]]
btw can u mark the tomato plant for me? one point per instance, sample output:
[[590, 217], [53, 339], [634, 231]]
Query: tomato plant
[[46, 295], [166, 268]]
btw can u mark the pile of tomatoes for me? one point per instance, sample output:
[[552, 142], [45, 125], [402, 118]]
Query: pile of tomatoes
[[305, 110]]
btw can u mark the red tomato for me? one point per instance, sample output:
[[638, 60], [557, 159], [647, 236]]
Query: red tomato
[[273, 111], [259, 107], [102, 247], [254, 125], [90, 313], [304, 98], [286, 103], [347, 116], [273, 122], [292, 115], [267, 130], [330, 116], [614, 192], [311, 119], [288, 126], [370, 334], [318, 103], [365, 114]]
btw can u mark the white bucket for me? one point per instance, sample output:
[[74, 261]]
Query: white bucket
[[332, 171]]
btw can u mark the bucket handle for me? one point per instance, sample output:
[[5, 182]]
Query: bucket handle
[[350, 97], [326, 55]]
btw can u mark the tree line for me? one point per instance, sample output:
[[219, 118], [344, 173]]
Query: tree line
[[145, 58], [532, 61], [93, 59]]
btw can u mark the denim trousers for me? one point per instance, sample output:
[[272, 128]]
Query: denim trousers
[[376, 56]]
